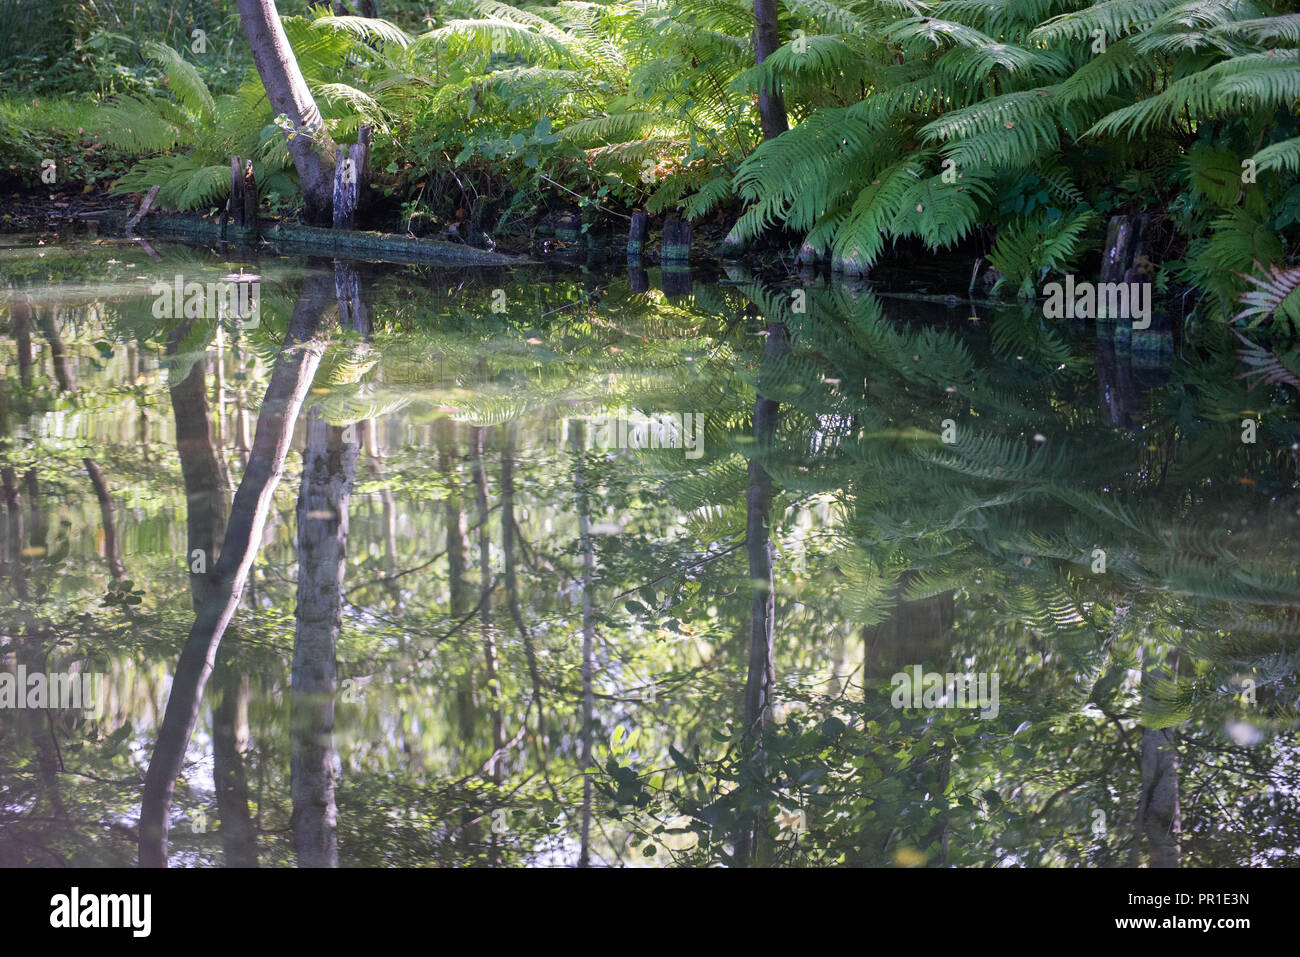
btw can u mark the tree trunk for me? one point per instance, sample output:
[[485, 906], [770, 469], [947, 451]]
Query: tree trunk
[[454, 518], [21, 313], [111, 552], [588, 639], [762, 615], [310, 145], [229, 742], [49, 323], [759, 548], [512, 575], [1159, 816], [290, 380], [771, 104], [205, 488], [329, 464], [351, 180]]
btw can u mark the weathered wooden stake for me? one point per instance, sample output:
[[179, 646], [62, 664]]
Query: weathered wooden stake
[[143, 210], [637, 278], [675, 281], [237, 190], [351, 179], [676, 246], [1124, 238], [636, 235], [250, 197]]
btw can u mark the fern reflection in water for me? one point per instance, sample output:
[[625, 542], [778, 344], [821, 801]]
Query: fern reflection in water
[[1098, 536]]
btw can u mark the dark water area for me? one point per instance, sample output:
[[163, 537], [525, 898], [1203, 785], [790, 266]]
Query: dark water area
[[421, 566]]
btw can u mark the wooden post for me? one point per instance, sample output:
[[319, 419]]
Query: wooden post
[[351, 179], [1124, 241], [637, 278], [250, 197], [636, 235], [675, 280], [676, 247], [237, 190], [143, 210]]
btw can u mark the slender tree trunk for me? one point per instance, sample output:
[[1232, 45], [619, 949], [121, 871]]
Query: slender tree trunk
[[229, 743], [454, 518], [49, 322], [761, 676], [312, 148], [1159, 816], [498, 766], [14, 508], [21, 312], [204, 481], [329, 464], [588, 638], [111, 552], [39, 528], [290, 380], [760, 552], [512, 575], [485, 601], [771, 104]]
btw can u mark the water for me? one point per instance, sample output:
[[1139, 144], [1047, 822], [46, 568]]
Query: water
[[1097, 525]]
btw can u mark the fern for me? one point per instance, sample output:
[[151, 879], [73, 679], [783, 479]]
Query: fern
[[1026, 251]]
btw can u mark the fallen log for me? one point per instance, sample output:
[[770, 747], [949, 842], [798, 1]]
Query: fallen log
[[358, 244]]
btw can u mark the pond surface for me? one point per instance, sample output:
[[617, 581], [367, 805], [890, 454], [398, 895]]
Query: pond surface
[[628, 568]]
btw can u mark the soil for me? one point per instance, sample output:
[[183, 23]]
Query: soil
[[38, 210]]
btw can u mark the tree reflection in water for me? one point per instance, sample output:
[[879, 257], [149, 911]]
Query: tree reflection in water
[[469, 635]]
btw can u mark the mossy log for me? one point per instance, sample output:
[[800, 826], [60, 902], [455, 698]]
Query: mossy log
[[316, 239]]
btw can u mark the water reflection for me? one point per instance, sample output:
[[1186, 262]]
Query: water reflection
[[462, 631]]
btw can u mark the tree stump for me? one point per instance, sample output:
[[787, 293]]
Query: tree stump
[[676, 244], [351, 179], [1124, 239], [849, 262], [636, 235]]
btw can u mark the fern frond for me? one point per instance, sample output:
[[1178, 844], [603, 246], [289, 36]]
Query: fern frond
[[183, 79], [1280, 156], [1275, 291], [1115, 18], [365, 28]]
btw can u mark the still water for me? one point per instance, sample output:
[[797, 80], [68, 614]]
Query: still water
[[424, 566]]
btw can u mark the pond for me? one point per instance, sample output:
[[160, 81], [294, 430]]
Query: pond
[[421, 566]]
